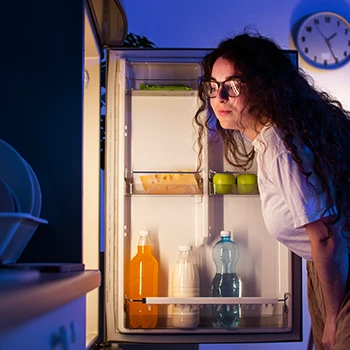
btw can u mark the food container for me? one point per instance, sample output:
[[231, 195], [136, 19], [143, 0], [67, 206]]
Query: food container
[[163, 182]]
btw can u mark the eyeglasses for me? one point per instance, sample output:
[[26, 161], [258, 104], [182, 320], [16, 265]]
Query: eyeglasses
[[231, 86]]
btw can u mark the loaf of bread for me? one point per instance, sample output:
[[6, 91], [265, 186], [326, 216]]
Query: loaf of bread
[[172, 183]]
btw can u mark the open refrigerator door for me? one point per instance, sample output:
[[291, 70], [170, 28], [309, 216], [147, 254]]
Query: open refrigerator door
[[91, 171], [150, 138]]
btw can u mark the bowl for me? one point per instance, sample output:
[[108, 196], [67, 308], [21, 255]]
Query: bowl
[[16, 230]]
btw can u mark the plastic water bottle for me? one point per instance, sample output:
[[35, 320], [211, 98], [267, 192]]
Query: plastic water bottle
[[185, 284], [225, 282], [143, 283]]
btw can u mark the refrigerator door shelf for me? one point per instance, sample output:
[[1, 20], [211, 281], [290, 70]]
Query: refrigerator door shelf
[[262, 318], [211, 301], [256, 313], [249, 305]]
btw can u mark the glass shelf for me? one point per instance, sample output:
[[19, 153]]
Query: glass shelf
[[163, 182], [163, 75], [228, 183], [162, 93], [162, 87]]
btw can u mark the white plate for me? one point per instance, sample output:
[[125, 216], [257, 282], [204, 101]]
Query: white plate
[[16, 231], [7, 202], [16, 174], [36, 208]]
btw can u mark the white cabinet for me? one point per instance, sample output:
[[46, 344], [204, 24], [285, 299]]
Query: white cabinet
[[46, 313], [60, 329]]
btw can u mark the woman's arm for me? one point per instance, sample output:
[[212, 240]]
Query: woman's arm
[[330, 258]]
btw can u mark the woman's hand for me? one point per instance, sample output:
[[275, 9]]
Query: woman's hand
[[328, 339]]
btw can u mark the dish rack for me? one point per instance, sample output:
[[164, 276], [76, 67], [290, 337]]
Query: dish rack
[[16, 230], [21, 208]]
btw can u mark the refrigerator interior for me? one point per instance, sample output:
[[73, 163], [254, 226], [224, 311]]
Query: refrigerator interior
[[150, 132]]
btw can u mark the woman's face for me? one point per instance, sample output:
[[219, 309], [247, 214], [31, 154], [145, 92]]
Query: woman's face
[[232, 112]]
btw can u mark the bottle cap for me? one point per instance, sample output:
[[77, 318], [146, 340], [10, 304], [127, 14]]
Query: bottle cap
[[185, 248], [144, 233], [225, 233]]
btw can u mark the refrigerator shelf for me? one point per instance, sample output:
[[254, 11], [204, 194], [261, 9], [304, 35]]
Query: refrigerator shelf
[[148, 85], [162, 75], [163, 182], [149, 93]]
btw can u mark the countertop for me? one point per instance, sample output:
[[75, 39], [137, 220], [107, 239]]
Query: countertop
[[35, 293]]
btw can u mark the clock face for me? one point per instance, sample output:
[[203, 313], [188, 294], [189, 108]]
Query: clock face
[[323, 40]]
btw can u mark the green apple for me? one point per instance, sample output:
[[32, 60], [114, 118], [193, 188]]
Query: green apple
[[247, 183], [223, 183]]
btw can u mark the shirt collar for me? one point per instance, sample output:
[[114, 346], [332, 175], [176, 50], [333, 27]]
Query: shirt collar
[[259, 143]]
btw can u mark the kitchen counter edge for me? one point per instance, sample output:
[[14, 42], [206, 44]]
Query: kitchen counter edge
[[21, 302]]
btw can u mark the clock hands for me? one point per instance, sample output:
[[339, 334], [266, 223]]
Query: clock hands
[[331, 37], [327, 42], [330, 49], [319, 30]]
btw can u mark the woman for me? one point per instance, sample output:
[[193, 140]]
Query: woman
[[300, 139]]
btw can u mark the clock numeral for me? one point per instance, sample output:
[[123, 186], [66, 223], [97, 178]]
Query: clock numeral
[[349, 43], [309, 29], [345, 53], [303, 38], [346, 31], [325, 62], [327, 19], [316, 21], [315, 58], [306, 50], [338, 23]]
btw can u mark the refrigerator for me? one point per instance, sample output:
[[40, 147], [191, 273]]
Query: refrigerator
[[146, 130]]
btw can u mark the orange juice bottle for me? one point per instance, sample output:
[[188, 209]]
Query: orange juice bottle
[[143, 283]]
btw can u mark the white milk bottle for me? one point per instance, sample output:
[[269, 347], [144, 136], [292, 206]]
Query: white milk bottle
[[185, 284]]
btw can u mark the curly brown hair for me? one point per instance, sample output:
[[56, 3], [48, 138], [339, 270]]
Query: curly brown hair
[[278, 89]]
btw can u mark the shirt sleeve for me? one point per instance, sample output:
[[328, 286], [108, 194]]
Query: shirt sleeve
[[303, 200]]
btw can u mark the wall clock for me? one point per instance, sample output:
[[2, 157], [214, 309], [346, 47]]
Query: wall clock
[[323, 40]]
